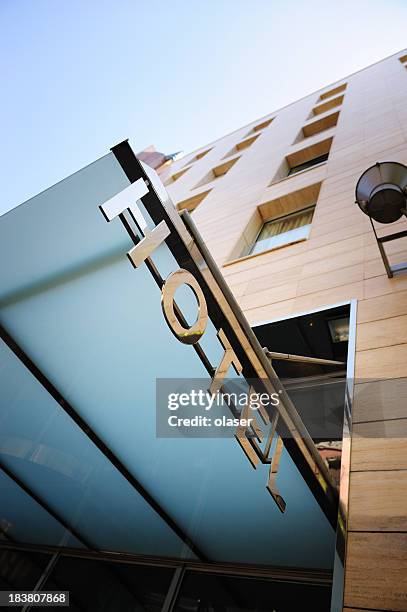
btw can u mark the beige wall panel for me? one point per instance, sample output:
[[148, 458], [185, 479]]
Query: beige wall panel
[[382, 307], [337, 234], [239, 289], [288, 253], [378, 501], [393, 247], [329, 297], [265, 270], [385, 362], [335, 262], [380, 445], [386, 332], [270, 312], [337, 213], [273, 280], [269, 296], [376, 573], [375, 267], [331, 223], [379, 400], [341, 183], [382, 285], [344, 276], [334, 249], [293, 183]]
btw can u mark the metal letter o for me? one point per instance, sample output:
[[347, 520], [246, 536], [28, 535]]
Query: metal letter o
[[179, 327]]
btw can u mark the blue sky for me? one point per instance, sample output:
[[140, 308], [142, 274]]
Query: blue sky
[[78, 76]]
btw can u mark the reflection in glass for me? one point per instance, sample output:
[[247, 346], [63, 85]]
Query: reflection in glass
[[22, 519], [21, 570], [208, 593], [308, 164], [110, 587]]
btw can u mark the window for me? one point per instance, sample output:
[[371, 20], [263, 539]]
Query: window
[[244, 144], [191, 203], [223, 168], [176, 176], [308, 164], [218, 171], [262, 125], [284, 230], [313, 388], [279, 208], [202, 154], [320, 125], [332, 92], [326, 106], [303, 159], [197, 157], [339, 329], [240, 146]]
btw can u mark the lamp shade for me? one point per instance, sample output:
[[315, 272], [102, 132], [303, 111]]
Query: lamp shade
[[381, 191]]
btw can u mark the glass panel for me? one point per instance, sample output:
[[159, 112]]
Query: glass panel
[[211, 593], [317, 391], [23, 520], [42, 446], [109, 587], [20, 571], [61, 216], [308, 164], [94, 326]]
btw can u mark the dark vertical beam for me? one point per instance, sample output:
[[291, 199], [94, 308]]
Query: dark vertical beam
[[173, 589], [43, 578]]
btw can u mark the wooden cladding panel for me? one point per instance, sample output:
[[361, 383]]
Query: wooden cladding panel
[[376, 576]]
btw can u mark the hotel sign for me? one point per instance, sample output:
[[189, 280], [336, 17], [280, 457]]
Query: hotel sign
[[241, 350]]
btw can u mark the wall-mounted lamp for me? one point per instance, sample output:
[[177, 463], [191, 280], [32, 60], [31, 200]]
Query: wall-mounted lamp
[[381, 193]]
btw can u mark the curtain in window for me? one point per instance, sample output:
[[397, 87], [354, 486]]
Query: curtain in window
[[284, 230]]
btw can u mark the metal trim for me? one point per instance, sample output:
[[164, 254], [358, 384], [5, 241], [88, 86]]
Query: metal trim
[[338, 589], [382, 251], [315, 576], [395, 236]]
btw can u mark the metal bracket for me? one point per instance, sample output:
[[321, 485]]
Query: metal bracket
[[397, 268]]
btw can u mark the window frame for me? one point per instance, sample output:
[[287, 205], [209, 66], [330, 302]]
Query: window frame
[[321, 159], [279, 218]]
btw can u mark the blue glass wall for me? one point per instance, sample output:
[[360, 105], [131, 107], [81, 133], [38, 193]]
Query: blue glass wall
[[94, 327]]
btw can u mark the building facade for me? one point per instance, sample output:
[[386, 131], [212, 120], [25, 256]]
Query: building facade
[[275, 204], [274, 284]]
